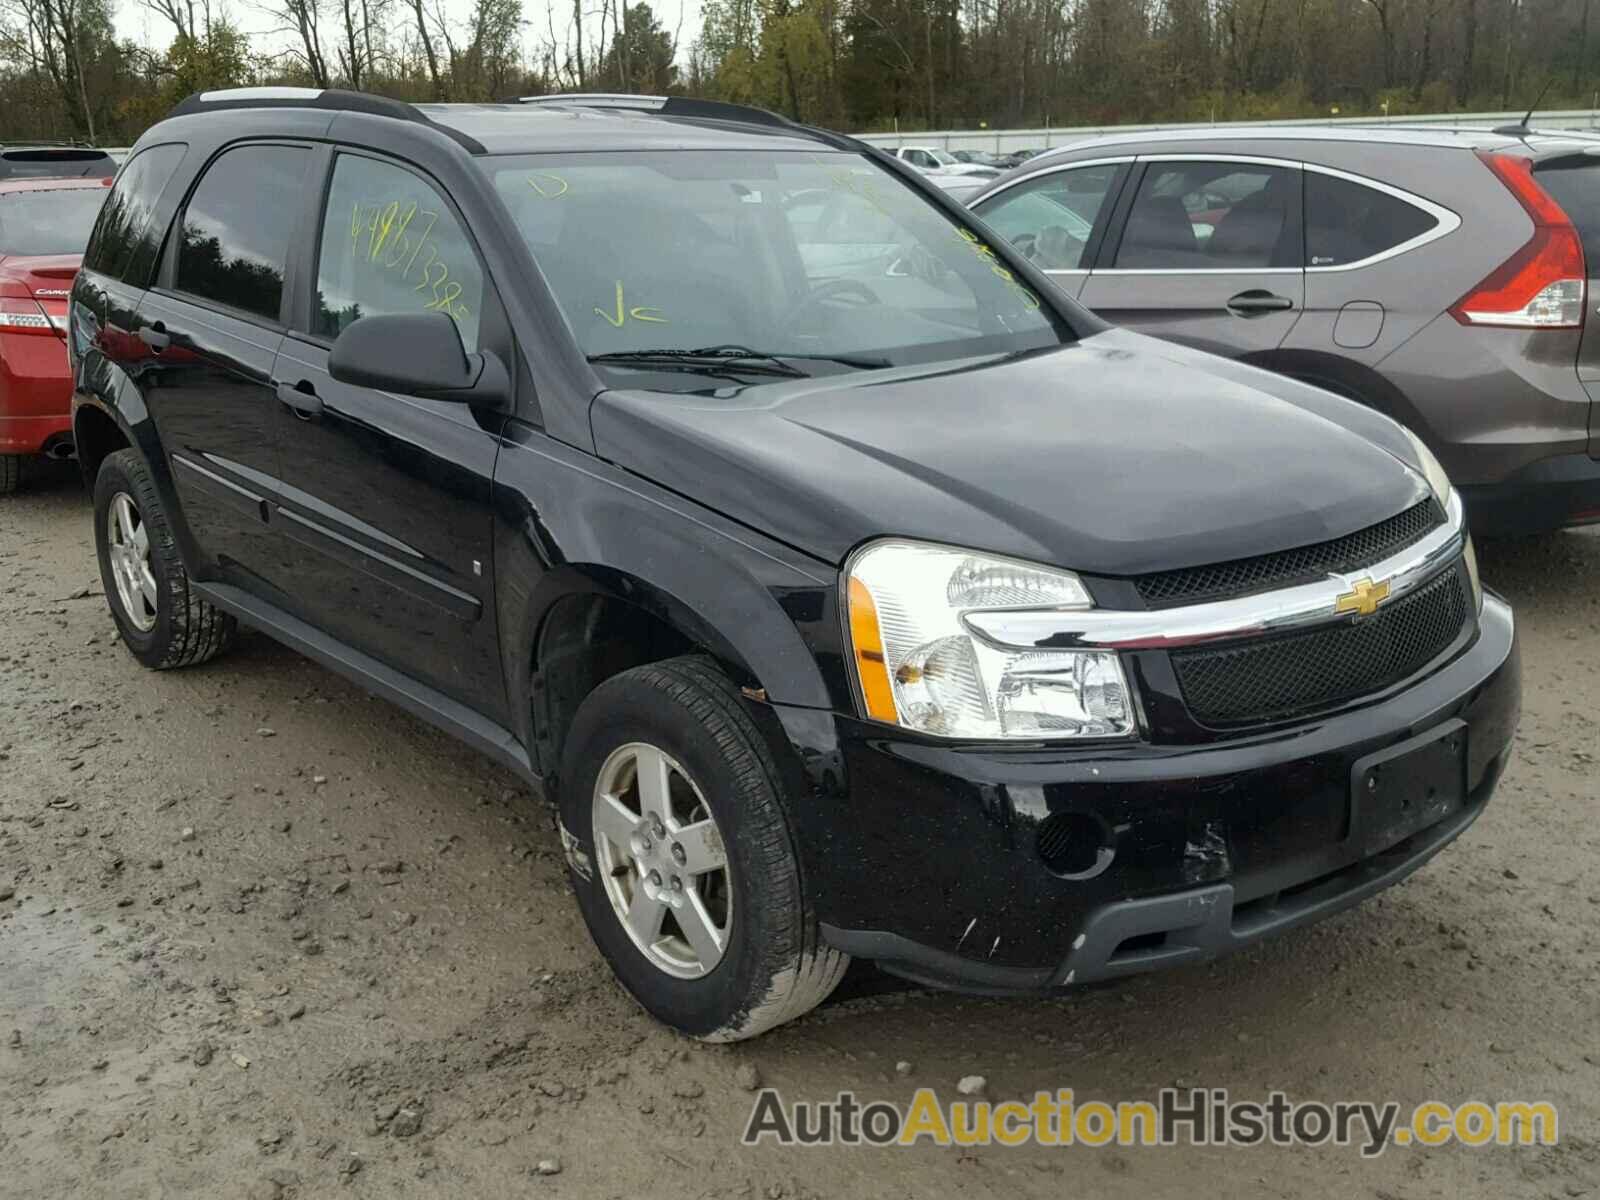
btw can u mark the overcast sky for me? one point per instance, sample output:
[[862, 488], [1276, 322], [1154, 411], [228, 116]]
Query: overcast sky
[[139, 23]]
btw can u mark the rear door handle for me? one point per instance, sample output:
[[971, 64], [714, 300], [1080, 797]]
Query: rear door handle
[[301, 399], [1258, 302], [155, 336]]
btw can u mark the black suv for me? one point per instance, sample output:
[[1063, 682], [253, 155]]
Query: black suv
[[850, 591]]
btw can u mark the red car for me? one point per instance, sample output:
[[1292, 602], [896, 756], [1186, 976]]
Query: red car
[[44, 224]]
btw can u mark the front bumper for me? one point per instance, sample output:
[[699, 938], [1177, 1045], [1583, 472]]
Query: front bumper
[[926, 857]]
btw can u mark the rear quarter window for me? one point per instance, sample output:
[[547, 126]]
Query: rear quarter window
[[1347, 222], [1575, 185], [123, 243]]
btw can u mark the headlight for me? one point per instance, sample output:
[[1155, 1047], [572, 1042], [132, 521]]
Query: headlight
[[1471, 555], [918, 666], [1439, 482], [1431, 470]]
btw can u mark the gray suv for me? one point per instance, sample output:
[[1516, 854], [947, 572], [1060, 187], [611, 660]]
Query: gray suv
[[1438, 276]]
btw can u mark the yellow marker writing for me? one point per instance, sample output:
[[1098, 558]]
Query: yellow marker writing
[[622, 313], [547, 186]]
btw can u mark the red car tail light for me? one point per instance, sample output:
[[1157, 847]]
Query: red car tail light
[[1542, 285], [19, 315]]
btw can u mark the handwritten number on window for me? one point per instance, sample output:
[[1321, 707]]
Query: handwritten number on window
[[380, 235]]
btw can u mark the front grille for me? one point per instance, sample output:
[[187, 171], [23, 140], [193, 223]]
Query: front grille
[[1286, 568], [1271, 678]]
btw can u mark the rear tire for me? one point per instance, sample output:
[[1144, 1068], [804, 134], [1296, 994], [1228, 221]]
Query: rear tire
[[10, 473], [770, 966], [162, 620]]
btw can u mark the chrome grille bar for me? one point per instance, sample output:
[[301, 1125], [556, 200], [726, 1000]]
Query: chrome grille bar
[[1224, 620]]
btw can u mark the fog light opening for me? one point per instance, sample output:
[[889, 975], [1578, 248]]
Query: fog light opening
[[1139, 944], [1073, 845]]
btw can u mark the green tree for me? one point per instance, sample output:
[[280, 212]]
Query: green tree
[[484, 69], [639, 59], [200, 62]]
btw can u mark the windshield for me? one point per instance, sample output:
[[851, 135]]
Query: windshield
[[50, 222], [944, 158], [805, 255]]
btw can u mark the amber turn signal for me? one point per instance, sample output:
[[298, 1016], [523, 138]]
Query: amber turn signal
[[871, 667]]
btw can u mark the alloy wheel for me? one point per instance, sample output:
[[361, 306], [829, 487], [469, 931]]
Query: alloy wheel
[[662, 860], [128, 547]]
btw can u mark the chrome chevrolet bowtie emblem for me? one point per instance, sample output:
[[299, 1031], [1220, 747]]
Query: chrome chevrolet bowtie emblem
[[1363, 598]]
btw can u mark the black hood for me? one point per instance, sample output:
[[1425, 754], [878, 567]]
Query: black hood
[[1119, 455]]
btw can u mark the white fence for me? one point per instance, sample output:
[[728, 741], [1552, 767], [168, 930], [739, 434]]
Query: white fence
[[1003, 141]]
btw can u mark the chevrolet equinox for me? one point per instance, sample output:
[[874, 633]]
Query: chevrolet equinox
[[849, 590]]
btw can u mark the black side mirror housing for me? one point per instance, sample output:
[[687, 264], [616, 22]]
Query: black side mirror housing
[[418, 354]]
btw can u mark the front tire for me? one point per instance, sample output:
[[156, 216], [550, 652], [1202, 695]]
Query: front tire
[[681, 855], [162, 620]]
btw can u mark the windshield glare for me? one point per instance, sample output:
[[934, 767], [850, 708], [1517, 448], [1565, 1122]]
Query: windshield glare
[[809, 255], [49, 222]]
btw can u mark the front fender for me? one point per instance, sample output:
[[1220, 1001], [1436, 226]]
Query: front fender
[[567, 522]]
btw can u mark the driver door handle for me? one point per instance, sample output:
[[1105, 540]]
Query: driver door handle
[[301, 399], [155, 336], [1258, 302]]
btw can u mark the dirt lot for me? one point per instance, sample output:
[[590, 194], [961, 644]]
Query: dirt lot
[[263, 936]]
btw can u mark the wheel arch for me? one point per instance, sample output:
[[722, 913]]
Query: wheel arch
[[603, 566], [1343, 377], [109, 414], [97, 436], [595, 622]]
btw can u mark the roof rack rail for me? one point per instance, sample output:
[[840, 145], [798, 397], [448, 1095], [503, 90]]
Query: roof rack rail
[[334, 99], [593, 99], [667, 106], [296, 97]]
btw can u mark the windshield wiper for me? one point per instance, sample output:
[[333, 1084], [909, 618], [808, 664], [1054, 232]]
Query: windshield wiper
[[865, 362], [741, 358], [721, 358]]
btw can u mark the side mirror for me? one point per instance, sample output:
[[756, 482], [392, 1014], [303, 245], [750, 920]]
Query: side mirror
[[418, 354]]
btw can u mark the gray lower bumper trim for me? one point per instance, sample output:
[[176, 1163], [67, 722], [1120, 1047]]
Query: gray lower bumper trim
[[1162, 931]]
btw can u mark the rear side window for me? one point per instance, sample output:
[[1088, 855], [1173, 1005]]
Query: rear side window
[[1347, 222], [122, 244], [236, 228], [1050, 218], [1575, 186], [1200, 216]]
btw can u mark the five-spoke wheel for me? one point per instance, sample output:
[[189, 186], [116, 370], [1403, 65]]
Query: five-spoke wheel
[[675, 819], [663, 861], [128, 547], [163, 620]]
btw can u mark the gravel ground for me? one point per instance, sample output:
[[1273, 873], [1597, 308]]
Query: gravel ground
[[264, 936]]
